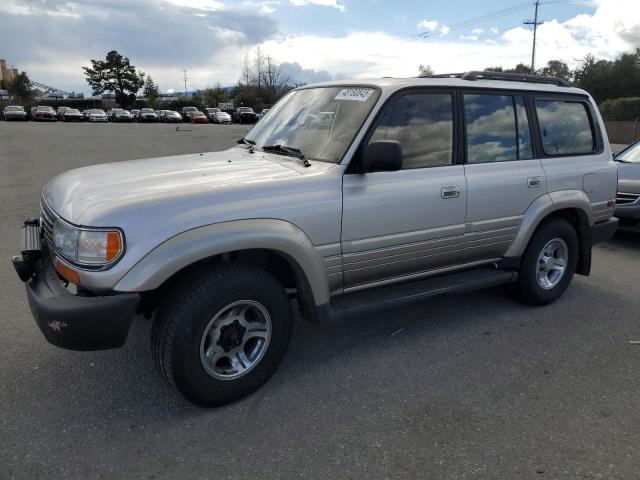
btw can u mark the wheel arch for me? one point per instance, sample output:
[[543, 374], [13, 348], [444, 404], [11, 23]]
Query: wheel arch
[[570, 205], [279, 247]]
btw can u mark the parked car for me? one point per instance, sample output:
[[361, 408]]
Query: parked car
[[198, 117], [628, 197], [120, 115], [86, 113], [97, 115], [44, 114], [211, 113], [245, 115], [72, 115], [60, 112], [222, 117], [14, 112], [423, 186], [187, 112], [147, 115], [262, 113], [170, 116], [134, 114]]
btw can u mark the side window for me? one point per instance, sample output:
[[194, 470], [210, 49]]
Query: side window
[[565, 127], [423, 124], [491, 128]]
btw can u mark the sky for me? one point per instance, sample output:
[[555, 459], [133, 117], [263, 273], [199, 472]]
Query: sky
[[314, 40]]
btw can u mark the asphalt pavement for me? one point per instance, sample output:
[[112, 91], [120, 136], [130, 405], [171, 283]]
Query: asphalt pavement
[[471, 386]]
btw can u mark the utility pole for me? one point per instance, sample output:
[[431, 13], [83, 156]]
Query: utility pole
[[535, 24], [184, 77]]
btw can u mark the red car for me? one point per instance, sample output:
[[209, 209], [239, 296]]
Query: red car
[[45, 114], [199, 117]]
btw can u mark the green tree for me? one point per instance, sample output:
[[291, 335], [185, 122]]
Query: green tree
[[151, 90], [556, 68], [213, 96], [21, 87], [115, 74]]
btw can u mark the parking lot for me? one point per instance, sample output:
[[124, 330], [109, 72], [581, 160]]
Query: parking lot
[[473, 386]]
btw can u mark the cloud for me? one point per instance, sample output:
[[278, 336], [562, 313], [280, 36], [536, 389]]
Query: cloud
[[210, 37], [298, 75], [323, 3], [477, 31], [159, 37], [430, 25], [472, 38]]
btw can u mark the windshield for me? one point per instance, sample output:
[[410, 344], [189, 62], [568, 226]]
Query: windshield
[[321, 122], [632, 154], [147, 110], [245, 110], [96, 111], [15, 109], [71, 110]]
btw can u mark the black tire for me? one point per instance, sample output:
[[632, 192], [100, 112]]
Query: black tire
[[181, 322], [527, 289]]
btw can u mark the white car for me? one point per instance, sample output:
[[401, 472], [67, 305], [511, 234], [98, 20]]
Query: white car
[[97, 115], [222, 117]]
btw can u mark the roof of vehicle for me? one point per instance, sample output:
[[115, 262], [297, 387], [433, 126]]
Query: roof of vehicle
[[514, 82]]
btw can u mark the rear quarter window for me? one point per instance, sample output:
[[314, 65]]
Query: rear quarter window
[[565, 127]]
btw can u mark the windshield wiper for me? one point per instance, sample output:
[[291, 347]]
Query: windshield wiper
[[250, 144], [290, 151]]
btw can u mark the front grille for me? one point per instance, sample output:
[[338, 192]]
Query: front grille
[[626, 198], [46, 224]]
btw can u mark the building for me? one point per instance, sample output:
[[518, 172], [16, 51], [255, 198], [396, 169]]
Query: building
[[6, 74]]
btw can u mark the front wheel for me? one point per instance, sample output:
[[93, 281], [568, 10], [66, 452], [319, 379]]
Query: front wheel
[[222, 333], [548, 264]]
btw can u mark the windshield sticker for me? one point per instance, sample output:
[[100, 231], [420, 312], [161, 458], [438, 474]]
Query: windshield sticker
[[355, 94]]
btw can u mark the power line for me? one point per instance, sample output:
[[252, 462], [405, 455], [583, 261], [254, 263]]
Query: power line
[[478, 20], [535, 24]]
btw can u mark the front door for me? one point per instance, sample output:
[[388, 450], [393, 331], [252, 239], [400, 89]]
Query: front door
[[408, 222]]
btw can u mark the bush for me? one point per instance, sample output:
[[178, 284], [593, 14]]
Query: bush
[[621, 109]]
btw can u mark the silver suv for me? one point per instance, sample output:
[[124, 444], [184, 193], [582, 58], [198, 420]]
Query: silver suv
[[347, 196]]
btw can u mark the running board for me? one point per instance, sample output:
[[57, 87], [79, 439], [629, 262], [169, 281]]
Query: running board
[[406, 293]]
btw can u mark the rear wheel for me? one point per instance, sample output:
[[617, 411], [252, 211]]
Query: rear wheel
[[222, 333], [548, 264]]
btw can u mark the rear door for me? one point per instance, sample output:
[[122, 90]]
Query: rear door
[[573, 150], [502, 176], [412, 221]]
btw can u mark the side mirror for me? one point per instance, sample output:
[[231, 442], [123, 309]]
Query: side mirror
[[381, 156]]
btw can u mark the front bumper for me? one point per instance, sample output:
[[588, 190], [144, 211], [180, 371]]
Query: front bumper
[[604, 231], [74, 322]]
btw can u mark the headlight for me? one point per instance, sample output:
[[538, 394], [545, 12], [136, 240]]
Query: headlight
[[87, 246]]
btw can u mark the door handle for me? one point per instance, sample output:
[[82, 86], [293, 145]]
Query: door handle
[[452, 191], [533, 182]]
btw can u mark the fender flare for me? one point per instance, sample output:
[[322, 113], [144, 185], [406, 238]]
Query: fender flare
[[544, 206], [200, 243]]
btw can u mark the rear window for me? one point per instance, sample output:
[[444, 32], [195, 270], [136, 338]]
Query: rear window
[[565, 127]]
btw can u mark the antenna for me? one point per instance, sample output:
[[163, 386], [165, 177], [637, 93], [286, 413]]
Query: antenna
[[535, 24], [184, 77]]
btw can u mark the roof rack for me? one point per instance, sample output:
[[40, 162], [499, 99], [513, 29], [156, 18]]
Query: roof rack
[[506, 77]]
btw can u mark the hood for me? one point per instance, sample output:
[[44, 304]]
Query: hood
[[628, 177], [100, 195]]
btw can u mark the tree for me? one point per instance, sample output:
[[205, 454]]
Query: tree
[[115, 74], [556, 68], [151, 90], [425, 71], [213, 96], [21, 87]]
